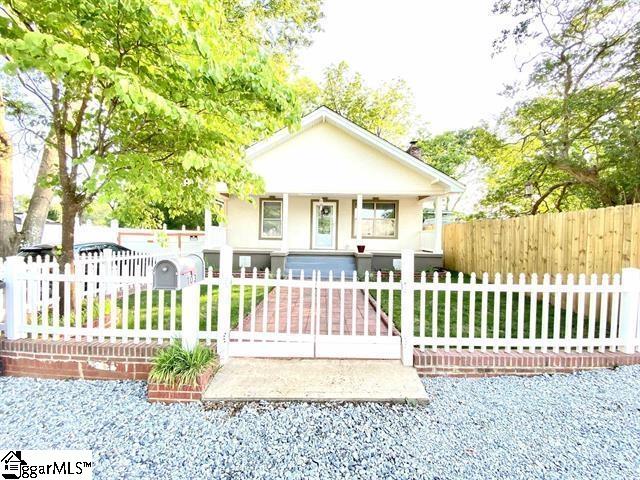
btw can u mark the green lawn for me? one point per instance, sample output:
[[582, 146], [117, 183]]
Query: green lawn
[[167, 301], [490, 305]]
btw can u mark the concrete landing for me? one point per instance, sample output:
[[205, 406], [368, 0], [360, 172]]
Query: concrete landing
[[320, 380]]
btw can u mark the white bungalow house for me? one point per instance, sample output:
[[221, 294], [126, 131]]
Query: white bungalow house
[[330, 187]]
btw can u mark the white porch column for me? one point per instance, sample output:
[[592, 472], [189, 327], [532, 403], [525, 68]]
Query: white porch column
[[359, 219], [285, 223], [437, 241], [208, 240], [207, 218]]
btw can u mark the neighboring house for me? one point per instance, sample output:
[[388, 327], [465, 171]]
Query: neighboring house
[[329, 187]]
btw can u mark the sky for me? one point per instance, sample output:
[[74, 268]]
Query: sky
[[442, 48]]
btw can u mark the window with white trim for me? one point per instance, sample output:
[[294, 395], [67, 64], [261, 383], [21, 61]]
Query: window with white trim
[[378, 219], [271, 219]]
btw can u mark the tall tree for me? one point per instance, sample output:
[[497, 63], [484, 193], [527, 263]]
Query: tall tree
[[7, 223], [455, 152], [153, 97], [386, 111], [281, 26], [43, 192], [577, 130], [31, 123]]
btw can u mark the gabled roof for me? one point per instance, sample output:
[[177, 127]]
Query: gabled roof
[[325, 114]]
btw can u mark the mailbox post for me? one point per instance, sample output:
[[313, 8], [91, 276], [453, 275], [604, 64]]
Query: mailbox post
[[224, 302], [190, 316], [185, 274]]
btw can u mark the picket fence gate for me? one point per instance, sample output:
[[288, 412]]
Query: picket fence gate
[[250, 313]]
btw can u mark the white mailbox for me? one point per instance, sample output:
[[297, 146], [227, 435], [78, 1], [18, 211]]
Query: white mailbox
[[178, 273]]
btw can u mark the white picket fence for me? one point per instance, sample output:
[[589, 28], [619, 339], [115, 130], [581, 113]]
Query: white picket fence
[[550, 315], [377, 316], [95, 275], [84, 305], [313, 317]]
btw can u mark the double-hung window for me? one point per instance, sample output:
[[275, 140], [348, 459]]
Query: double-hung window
[[271, 219], [379, 219]]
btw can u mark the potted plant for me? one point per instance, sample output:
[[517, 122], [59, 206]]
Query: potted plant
[[179, 374], [360, 248]]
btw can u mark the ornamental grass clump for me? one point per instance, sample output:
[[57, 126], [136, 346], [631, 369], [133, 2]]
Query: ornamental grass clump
[[176, 366]]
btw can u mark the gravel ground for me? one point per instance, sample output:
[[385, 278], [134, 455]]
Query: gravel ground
[[552, 427]]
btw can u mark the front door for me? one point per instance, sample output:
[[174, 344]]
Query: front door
[[324, 225]]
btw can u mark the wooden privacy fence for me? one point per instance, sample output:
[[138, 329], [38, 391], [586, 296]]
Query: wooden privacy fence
[[603, 240]]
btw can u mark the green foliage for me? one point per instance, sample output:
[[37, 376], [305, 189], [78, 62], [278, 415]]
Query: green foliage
[[155, 100], [99, 212], [55, 211], [284, 24], [386, 111], [21, 205], [575, 141], [175, 365], [453, 152], [308, 94], [157, 215], [163, 239]]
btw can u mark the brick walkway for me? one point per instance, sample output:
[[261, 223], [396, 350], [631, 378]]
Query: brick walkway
[[272, 324]]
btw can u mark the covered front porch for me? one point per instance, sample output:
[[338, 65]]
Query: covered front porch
[[330, 231]]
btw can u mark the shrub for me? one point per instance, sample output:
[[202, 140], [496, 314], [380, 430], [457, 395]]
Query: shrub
[[175, 365]]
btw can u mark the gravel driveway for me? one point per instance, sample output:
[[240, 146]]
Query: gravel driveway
[[553, 427]]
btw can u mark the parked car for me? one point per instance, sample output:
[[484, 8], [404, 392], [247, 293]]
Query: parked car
[[35, 251], [98, 247], [88, 248], [92, 248]]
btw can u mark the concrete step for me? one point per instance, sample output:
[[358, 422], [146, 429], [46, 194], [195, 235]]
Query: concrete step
[[311, 379]]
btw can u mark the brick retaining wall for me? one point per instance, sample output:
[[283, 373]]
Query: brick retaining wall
[[132, 361], [485, 364], [160, 392], [70, 359]]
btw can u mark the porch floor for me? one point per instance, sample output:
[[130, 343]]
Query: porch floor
[[266, 319]]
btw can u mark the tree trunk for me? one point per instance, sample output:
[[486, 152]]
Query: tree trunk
[[40, 203], [70, 208], [8, 233]]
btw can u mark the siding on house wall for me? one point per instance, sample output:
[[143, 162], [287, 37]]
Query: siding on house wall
[[325, 159], [243, 225]]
